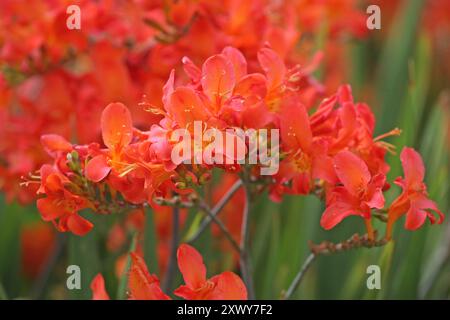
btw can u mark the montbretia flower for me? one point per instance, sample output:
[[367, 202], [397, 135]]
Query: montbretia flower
[[358, 193], [117, 133], [307, 158], [413, 201], [142, 284], [60, 206], [120, 162], [225, 286]]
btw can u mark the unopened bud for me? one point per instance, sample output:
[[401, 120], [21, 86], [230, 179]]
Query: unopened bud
[[204, 178], [174, 178], [180, 185]]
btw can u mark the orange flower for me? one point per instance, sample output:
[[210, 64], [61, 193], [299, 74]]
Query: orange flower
[[358, 194], [413, 201], [307, 158], [142, 284], [117, 132], [225, 286], [61, 206]]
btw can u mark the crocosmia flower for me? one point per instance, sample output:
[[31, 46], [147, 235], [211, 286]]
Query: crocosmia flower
[[142, 284], [357, 193], [413, 201], [61, 206], [225, 286], [117, 132]]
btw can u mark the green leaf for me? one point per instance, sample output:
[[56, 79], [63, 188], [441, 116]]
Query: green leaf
[[123, 284], [83, 252], [267, 285], [150, 241], [385, 264], [393, 69], [3, 295], [412, 111], [11, 218], [195, 224]]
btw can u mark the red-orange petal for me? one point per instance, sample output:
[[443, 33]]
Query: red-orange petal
[[415, 218], [97, 168], [142, 284], [98, 288], [186, 107], [398, 207], [191, 266], [117, 126], [352, 171], [229, 287], [413, 166], [53, 143], [78, 225], [253, 84], [273, 66], [345, 94], [186, 293], [53, 183], [168, 88], [192, 71], [256, 116], [349, 123], [295, 130], [238, 61], [335, 213], [45, 171], [48, 209], [375, 192], [218, 78], [420, 208]]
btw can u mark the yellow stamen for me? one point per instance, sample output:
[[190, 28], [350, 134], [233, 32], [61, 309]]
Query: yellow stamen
[[394, 132]]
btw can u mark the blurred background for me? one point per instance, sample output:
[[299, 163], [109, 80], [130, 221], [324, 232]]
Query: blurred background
[[52, 82]]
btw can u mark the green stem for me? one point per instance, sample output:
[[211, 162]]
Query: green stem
[[244, 258], [205, 208], [215, 211], [299, 277]]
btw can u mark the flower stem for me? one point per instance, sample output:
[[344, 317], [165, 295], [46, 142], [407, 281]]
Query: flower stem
[[370, 233], [244, 258], [205, 208], [326, 248], [299, 277], [215, 211]]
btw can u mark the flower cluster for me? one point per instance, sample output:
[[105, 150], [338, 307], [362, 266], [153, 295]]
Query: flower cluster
[[58, 80], [329, 150], [111, 102]]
